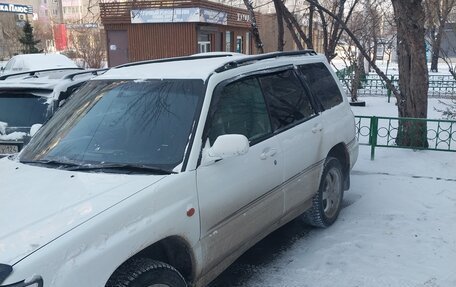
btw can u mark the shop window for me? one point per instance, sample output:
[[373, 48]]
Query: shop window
[[239, 44], [247, 43], [204, 46], [228, 41]]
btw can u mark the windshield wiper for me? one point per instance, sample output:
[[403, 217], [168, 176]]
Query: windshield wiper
[[122, 167], [51, 162]]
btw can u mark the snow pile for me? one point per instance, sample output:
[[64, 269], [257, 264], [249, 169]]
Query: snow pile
[[3, 126], [14, 136]]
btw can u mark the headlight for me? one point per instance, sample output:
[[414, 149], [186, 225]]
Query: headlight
[[35, 281]]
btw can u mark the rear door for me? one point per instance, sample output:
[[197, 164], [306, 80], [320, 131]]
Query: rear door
[[240, 197], [336, 114], [298, 128]]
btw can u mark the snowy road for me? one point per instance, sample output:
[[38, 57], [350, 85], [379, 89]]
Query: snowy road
[[398, 228]]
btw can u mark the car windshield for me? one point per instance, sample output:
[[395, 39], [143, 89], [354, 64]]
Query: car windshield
[[22, 110], [128, 122]]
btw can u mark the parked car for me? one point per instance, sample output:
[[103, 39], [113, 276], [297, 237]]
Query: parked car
[[162, 173], [33, 62], [30, 98]]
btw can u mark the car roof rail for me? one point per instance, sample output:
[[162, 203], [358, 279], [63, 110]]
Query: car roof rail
[[250, 60], [32, 73], [95, 72], [183, 58]]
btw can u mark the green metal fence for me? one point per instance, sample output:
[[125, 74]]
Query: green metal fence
[[443, 86], [383, 132]]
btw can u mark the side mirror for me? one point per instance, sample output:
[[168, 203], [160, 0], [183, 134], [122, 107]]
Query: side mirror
[[34, 128], [226, 146]]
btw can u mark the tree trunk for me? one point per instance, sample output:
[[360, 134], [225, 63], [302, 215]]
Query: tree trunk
[[413, 74], [437, 41], [356, 83], [291, 21], [310, 31], [280, 30], [293, 32], [254, 27]]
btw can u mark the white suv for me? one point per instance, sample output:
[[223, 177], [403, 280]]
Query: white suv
[[164, 172]]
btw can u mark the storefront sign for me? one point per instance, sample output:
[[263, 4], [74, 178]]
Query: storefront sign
[[82, 26], [16, 8], [178, 15], [243, 17]]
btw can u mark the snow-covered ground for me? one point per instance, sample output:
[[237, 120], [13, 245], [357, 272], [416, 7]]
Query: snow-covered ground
[[379, 106], [398, 226], [399, 229]]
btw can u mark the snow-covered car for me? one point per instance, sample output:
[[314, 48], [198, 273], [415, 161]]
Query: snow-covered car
[[30, 98], [162, 173], [33, 62]]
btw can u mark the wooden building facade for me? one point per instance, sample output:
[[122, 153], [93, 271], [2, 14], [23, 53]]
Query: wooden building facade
[[143, 30]]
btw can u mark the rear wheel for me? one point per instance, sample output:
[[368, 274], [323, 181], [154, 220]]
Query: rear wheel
[[144, 272], [326, 203]]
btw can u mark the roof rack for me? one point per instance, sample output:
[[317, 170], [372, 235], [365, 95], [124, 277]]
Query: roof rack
[[32, 73], [184, 58], [252, 59], [93, 72]]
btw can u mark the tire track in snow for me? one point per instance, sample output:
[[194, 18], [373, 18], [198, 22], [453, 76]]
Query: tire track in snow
[[358, 172]]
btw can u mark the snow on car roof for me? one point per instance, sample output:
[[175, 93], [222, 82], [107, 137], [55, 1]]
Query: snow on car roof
[[45, 61], [56, 81], [202, 68], [188, 68]]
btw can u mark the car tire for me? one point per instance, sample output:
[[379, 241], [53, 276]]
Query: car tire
[[326, 203], [144, 272]]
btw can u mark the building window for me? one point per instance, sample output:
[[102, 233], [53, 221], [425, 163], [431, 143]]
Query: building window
[[239, 44], [228, 41], [247, 43]]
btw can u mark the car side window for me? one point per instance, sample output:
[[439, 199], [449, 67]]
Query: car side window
[[287, 99], [10, 64], [239, 108], [321, 84]]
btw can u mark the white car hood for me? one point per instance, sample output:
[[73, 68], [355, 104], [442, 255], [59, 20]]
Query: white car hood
[[38, 204]]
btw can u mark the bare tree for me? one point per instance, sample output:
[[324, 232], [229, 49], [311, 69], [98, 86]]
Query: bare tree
[[278, 4], [43, 31], [254, 26], [437, 13], [332, 30], [359, 45], [413, 75], [10, 33], [89, 46]]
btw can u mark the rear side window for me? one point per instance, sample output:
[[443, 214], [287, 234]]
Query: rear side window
[[239, 108], [287, 99], [321, 84]]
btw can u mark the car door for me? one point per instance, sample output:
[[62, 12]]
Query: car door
[[298, 129], [240, 197], [324, 88]]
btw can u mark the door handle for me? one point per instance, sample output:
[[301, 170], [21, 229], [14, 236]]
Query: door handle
[[317, 128], [268, 152]]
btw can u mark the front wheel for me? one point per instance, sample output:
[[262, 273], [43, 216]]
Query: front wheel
[[326, 203], [144, 272]]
